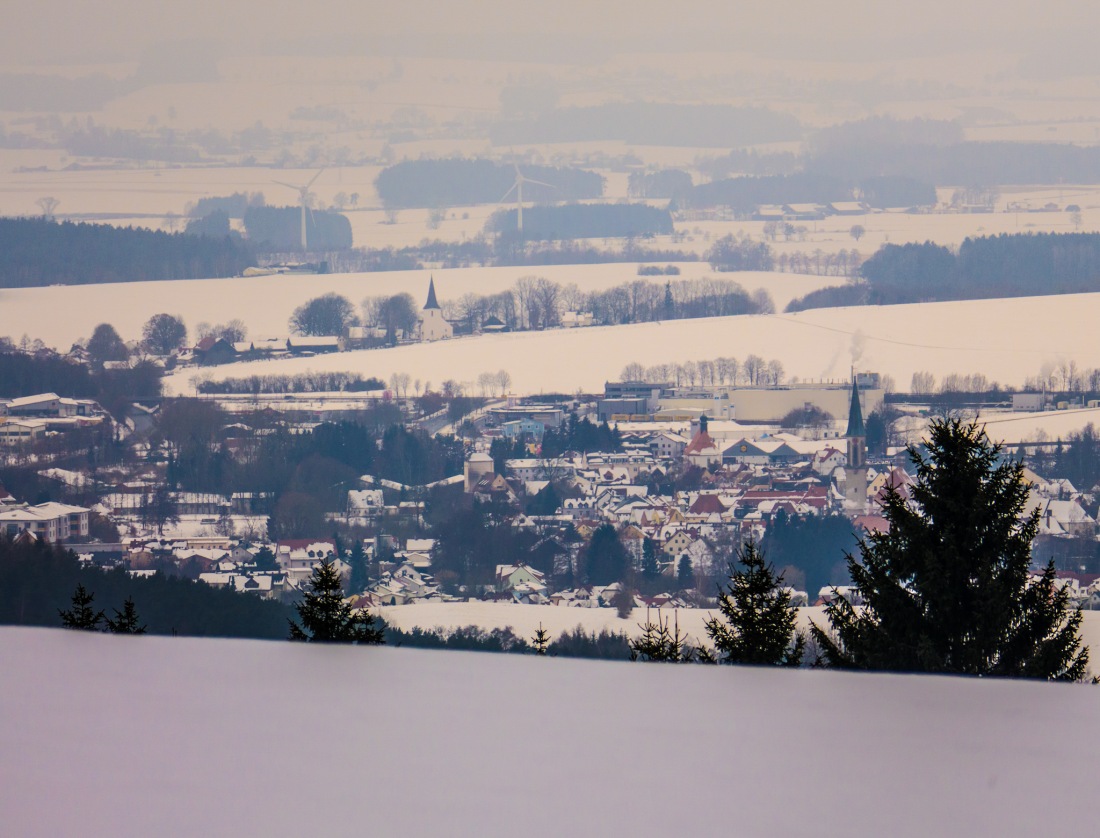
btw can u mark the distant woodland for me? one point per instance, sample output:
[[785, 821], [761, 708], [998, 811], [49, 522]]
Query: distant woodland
[[1030, 264], [279, 229], [39, 251], [583, 221], [744, 194], [461, 182]]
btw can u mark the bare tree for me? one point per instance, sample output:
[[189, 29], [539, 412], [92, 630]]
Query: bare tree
[[633, 372], [48, 205], [923, 384], [857, 231], [775, 372], [754, 368], [504, 381]]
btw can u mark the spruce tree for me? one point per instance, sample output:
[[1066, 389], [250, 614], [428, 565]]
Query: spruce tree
[[661, 644], [685, 574], [541, 641], [360, 577], [81, 616], [326, 618], [946, 589], [651, 568], [758, 622], [125, 621]]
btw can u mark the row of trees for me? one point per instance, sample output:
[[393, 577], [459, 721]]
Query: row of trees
[[535, 302], [753, 371], [306, 382]]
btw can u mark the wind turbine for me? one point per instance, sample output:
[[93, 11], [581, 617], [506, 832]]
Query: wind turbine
[[303, 197], [517, 186]]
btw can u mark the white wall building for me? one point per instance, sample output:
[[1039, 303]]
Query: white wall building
[[431, 325]]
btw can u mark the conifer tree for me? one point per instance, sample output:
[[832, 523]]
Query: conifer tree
[[947, 589], [541, 641], [360, 577], [651, 569], [81, 616], [685, 574], [661, 644], [125, 621], [326, 618], [758, 622]]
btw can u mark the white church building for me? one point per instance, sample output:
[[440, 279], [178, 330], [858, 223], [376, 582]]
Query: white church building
[[430, 324]]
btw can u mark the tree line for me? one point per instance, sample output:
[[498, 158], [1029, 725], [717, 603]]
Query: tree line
[[307, 382], [458, 181], [39, 251], [537, 303], [753, 371], [37, 580], [988, 267], [581, 221]]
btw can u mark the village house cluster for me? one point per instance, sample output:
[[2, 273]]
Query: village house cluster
[[696, 472]]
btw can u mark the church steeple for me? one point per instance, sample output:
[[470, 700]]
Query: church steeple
[[856, 427], [855, 471], [432, 302]]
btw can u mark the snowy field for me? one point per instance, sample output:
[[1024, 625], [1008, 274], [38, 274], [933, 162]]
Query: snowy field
[[173, 736], [61, 315], [1007, 340], [525, 619]]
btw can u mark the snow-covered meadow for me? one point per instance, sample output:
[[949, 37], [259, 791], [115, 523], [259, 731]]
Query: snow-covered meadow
[[1007, 340], [60, 315], [180, 736]]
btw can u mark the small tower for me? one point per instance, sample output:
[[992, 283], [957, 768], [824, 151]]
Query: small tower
[[477, 467], [855, 472], [431, 325]]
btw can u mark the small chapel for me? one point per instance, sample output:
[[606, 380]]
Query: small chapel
[[430, 323]]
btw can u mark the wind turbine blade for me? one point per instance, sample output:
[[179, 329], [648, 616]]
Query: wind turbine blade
[[288, 185], [314, 178], [511, 189], [539, 182]]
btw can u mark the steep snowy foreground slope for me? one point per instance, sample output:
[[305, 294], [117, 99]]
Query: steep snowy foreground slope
[[168, 736], [1007, 340]]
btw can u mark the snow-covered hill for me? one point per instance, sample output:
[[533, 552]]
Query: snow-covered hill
[[123, 736], [60, 315], [1007, 340]]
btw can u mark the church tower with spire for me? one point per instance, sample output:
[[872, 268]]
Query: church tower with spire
[[855, 472], [430, 323]]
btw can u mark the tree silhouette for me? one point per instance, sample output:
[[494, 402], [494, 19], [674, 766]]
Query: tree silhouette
[[947, 587], [81, 616], [125, 621], [757, 624], [326, 618]]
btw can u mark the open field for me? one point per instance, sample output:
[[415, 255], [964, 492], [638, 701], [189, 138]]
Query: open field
[[1006, 340], [61, 315], [399, 741]]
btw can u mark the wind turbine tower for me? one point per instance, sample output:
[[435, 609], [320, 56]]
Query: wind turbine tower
[[517, 187], [303, 198]]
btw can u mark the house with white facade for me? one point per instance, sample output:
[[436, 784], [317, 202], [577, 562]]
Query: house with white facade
[[50, 521]]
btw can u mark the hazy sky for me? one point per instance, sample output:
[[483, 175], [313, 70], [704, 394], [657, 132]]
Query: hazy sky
[[102, 30]]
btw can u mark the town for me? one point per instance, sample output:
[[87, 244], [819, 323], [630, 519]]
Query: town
[[637, 497]]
